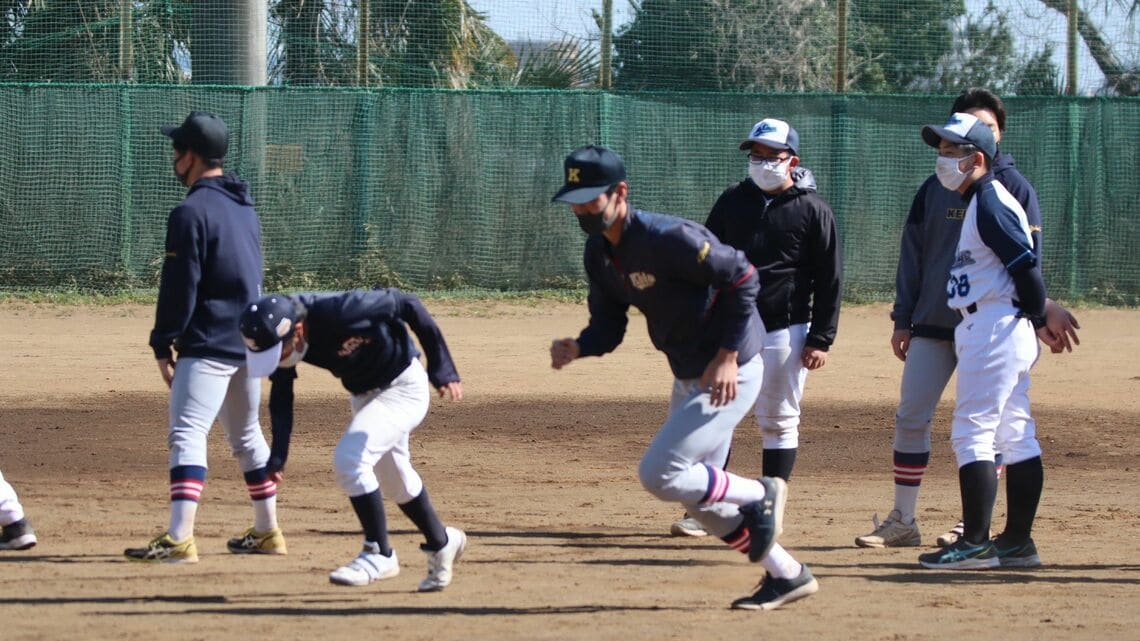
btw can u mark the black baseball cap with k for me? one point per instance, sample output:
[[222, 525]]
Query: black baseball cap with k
[[589, 172], [203, 133]]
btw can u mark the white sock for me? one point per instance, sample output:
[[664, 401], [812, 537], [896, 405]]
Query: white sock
[[265, 514], [742, 490], [780, 564], [182, 515], [906, 501]]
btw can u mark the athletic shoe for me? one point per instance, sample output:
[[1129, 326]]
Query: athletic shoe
[[963, 555], [951, 537], [367, 567], [1016, 555], [774, 592], [440, 562], [892, 533], [687, 526], [765, 518], [164, 549], [254, 542], [17, 536]]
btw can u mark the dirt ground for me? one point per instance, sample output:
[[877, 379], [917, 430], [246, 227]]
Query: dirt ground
[[539, 467]]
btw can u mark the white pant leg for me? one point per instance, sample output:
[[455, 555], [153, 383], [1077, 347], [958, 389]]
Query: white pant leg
[[381, 422], [199, 389], [929, 364], [1016, 437], [673, 467], [778, 404], [10, 508], [995, 351], [238, 417]]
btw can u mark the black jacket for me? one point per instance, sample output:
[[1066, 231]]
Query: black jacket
[[212, 270], [793, 242]]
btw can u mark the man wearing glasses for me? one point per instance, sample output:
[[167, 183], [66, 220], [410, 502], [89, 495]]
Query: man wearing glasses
[[776, 217]]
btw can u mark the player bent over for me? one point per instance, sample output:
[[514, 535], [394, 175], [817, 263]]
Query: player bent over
[[362, 338], [15, 532], [996, 285], [699, 300]]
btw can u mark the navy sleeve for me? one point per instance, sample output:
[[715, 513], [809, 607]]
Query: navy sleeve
[[608, 317], [280, 416], [1030, 294], [181, 273], [827, 279], [700, 258], [441, 369], [1018, 187], [1001, 230], [908, 274]]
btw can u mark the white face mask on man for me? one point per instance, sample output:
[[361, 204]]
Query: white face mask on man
[[949, 174], [769, 175]]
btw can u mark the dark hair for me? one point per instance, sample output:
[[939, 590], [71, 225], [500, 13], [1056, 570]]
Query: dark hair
[[970, 149], [978, 98]]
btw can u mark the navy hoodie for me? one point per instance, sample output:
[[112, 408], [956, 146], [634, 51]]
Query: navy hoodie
[[211, 271]]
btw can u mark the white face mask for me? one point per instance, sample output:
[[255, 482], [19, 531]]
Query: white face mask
[[948, 173], [295, 357], [768, 175]]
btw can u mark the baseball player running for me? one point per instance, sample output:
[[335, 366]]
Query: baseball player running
[[362, 338], [698, 297], [15, 532], [995, 284], [211, 272], [924, 325]]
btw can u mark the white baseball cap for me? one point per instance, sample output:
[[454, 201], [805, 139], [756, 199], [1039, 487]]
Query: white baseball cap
[[773, 133]]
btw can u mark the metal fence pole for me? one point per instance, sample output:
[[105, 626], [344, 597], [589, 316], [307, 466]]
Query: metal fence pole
[[841, 49], [606, 75], [363, 30], [1073, 49]]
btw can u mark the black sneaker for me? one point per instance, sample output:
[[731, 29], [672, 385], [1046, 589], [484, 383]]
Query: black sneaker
[[774, 592], [17, 536], [765, 518], [962, 555], [1016, 555]]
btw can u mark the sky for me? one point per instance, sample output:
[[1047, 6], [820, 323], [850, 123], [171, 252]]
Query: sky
[[1030, 22]]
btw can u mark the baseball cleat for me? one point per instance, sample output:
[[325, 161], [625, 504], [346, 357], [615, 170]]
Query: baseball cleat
[[368, 566], [951, 537], [687, 526], [765, 518], [963, 555], [892, 533], [254, 542], [774, 592], [164, 549], [440, 563], [1016, 555], [17, 536]]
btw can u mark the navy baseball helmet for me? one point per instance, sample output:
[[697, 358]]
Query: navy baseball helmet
[[962, 129], [203, 133], [264, 325], [589, 172]]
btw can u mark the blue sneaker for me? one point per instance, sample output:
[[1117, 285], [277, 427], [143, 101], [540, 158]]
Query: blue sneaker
[[765, 518], [962, 555], [1016, 555], [774, 592]]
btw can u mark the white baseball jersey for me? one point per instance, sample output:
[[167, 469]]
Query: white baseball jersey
[[995, 239]]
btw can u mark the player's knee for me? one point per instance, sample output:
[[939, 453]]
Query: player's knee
[[655, 477], [782, 435]]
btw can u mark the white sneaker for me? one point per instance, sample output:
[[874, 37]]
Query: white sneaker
[[687, 526], [892, 533], [367, 567], [951, 537], [439, 563]]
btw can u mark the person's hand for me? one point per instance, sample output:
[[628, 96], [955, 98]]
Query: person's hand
[[166, 368], [719, 378], [900, 343], [275, 469], [562, 351], [1049, 338], [454, 389], [1062, 325], [813, 358]]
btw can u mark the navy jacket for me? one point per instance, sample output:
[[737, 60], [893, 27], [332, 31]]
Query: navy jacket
[[793, 241], [697, 294], [361, 337], [212, 270]]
